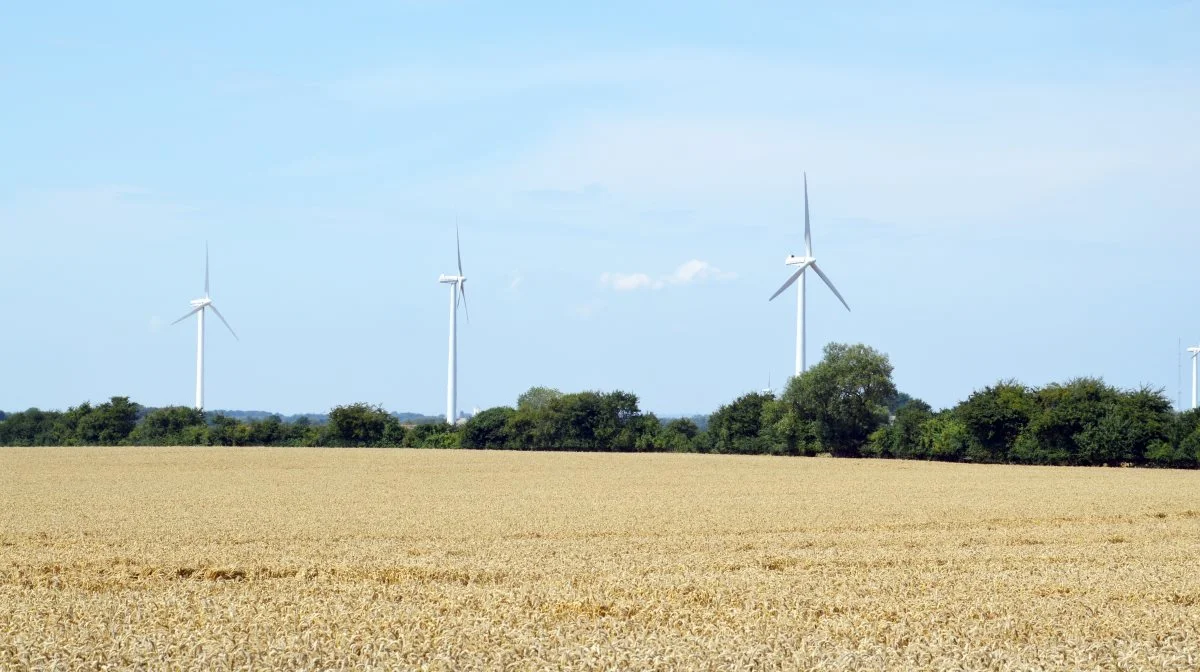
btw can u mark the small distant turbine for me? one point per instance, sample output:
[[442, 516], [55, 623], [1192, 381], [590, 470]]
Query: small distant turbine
[[1195, 353], [198, 308], [458, 285], [804, 263]]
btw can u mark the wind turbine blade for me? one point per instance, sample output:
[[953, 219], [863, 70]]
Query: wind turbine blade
[[189, 314], [462, 288], [835, 292], [206, 269], [214, 308], [458, 248], [790, 281], [807, 226]]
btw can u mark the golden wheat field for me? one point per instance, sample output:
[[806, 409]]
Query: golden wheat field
[[198, 558]]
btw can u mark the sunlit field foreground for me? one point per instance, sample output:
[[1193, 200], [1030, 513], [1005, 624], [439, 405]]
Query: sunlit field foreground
[[205, 558]]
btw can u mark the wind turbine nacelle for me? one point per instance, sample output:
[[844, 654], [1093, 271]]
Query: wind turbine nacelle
[[196, 303], [447, 279], [793, 260]]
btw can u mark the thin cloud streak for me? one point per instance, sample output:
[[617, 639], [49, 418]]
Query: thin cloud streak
[[626, 282], [689, 272]]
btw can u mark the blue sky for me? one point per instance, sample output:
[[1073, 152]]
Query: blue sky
[[999, 190]]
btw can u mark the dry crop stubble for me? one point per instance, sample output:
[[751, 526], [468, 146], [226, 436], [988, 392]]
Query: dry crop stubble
[[210, 558]]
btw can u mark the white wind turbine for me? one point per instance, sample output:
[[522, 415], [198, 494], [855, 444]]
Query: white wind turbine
[[805, 262], [1195, 353], [458, 285], [198, 308]]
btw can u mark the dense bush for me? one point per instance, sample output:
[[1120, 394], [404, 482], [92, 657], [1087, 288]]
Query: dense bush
[[846, 405], [737, 427]]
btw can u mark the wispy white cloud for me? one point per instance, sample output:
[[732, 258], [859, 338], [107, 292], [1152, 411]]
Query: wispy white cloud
[[688, 272], [696, 270], [625, 282]]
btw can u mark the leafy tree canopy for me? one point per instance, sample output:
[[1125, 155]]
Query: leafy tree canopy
[[845, 394]]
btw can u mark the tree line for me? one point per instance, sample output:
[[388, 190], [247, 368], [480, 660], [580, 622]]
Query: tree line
[[846, 406]]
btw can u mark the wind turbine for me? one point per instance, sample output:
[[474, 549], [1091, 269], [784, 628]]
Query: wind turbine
[[458, 285], [1195, 353], [198, 308], [804, 263]]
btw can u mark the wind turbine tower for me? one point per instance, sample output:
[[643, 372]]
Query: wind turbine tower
[[458, 285], [199, 306], [1195, 353], [804, 263]]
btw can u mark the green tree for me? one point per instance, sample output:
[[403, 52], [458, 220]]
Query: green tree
[[1185, 423], [394, 433], [622, 426], [448, 438], [677, 436], [33, 427], [302, 432], [1179, 449], [737, 427], [268, 431], [536, 423], [195, 435], [488, 429], [995, 416], [786, 433], [431, 435], [1133, 425], [903, 437], [566, 423], [944, 437], [899, 401], [1151, 419], [519, 430], [357, 425], [108, 424], [537, 398], [1189, 449], [69, 430], [845, 395], [166, 427], [223, 430], [1067, 411], [640, 433], [584, 421]]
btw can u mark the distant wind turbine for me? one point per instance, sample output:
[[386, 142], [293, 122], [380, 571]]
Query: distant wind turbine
[[458, 285], [198, 308], [804, 263], [1195, 353]]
